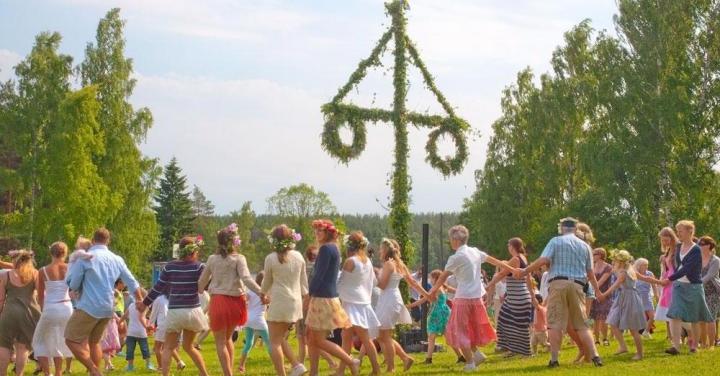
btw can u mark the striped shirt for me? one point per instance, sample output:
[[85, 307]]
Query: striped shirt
[[569, 257], [180, 280]]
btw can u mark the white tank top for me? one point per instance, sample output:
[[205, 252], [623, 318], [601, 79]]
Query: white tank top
[[55, 291], [356, 287]]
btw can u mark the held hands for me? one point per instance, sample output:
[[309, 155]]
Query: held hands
[[665, 282], [518, 273], [600, 296], [264, 299]]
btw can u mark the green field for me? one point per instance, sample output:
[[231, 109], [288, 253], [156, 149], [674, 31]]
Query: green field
[[656, 362]]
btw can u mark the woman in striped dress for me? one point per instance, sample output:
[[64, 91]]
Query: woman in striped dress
[[515, 318]]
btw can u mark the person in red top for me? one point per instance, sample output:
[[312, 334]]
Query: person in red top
[[539, 333]]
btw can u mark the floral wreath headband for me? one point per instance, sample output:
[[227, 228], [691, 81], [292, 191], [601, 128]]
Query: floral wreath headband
[[188, 249], [355, 245], [622, 256], [233, 228], [389, 244], [287, 243], [324, 225], [20, 252]]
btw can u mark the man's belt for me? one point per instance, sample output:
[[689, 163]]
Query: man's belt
[[561, 278]]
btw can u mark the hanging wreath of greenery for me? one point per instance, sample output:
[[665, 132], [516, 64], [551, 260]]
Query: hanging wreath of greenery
[[447, 165], [332, 143]]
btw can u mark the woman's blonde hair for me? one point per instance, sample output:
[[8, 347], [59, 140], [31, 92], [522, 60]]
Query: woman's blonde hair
[[24, 266], [357, 244], [686, 224], [392, 251], [585, 233], [602, 252], [623, 260], [83, 243]]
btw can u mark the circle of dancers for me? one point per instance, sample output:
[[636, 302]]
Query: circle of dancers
[[92, 309]]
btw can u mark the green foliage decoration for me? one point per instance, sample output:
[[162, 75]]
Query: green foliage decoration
[[338, 114]]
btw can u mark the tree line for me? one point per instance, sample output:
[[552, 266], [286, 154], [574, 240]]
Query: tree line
[[183, 211], [69, 157], [622, 133]]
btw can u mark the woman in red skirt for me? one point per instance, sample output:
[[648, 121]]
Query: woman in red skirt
[[228, 275]]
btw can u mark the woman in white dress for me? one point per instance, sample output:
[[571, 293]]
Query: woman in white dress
[[286, 284], [53, 296], [391, 309], [355, 286]]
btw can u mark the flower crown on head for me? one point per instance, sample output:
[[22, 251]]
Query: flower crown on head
[[287, 243], [21, 252], [621, 256], [363, 243], [233, 228], [324, 225], [388, 243], [188, 249]]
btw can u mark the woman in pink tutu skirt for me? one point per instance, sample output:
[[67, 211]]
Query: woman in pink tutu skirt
[[469, 326]]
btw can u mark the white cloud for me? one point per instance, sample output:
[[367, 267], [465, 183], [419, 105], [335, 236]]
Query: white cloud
[[249, 21], [8, 60]]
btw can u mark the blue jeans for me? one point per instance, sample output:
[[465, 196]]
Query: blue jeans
[[130, 351]]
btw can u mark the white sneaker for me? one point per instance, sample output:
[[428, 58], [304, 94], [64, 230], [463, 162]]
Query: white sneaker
[[647, 335], [470, 367], [298, 370], [479, 357]]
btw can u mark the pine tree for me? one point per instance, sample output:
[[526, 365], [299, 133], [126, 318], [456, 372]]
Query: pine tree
[[202, 207], [174, 211]]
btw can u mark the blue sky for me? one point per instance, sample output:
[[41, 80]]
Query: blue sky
[[235, 86]]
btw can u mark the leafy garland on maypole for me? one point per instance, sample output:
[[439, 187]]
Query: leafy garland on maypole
[[338, 114]]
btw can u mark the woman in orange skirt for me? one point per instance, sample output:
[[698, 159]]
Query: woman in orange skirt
[[228, 275]]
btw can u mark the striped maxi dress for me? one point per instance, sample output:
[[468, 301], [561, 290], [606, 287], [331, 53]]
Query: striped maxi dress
[[515, 318]]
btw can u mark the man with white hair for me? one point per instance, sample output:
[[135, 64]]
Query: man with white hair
[[570, 269], [469, 326]]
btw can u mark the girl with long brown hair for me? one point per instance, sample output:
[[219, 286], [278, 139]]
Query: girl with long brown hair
[[20, 312], [515, 316], [228, 275], [668, 242]]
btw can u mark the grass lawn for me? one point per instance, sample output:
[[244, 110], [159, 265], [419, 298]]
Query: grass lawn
[[656, 362]]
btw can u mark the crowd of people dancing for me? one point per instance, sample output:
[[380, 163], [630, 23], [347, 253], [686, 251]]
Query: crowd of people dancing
[[92, 308]]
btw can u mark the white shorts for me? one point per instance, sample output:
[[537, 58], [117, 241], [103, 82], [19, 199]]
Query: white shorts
[[192, 319]]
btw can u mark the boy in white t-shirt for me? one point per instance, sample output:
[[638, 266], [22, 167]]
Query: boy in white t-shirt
[[137, 334]]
